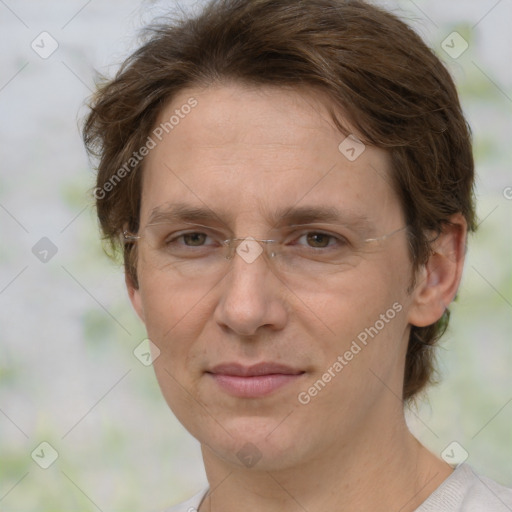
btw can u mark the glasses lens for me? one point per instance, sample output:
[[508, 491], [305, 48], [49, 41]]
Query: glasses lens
[[198, 252]]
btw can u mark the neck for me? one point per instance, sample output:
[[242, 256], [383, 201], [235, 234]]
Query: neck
[[378, 469]]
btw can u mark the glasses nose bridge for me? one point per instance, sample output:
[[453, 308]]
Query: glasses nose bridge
[[250, 248]]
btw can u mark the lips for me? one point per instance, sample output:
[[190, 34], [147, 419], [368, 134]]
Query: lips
[[254, 381], [238, 370]]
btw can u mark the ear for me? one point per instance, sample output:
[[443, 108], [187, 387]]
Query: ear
[[135, 298], [438, 280]]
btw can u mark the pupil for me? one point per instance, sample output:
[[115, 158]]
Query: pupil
[[317, 238]]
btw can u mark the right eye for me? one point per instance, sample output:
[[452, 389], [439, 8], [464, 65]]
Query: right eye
[[189, 239]]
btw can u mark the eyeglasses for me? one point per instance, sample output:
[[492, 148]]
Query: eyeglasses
[[306, 250]]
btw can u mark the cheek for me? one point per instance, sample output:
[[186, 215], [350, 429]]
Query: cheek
[[173, 322], [172, 315], [367, 332], [367, 314], [367, 347]]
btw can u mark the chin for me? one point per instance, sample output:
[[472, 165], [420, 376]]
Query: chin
[[253, 442], [260, 456]]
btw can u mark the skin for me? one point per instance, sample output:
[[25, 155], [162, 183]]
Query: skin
[[250, 150]]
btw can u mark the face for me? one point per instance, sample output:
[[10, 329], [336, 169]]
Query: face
[[257, 361]]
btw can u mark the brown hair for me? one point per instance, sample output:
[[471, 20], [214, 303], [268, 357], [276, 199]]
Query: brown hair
[[367, 63]]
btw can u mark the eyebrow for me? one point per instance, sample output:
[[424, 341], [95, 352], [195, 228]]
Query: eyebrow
[[288, 216]]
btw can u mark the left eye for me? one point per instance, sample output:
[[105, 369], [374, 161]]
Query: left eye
[[195, 239], [320, 240]]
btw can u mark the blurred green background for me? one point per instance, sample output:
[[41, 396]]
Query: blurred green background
[[68, 375]]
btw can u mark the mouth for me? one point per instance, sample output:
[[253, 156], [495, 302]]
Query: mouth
[[253, 381]]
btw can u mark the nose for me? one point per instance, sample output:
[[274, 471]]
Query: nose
[[251, 294]]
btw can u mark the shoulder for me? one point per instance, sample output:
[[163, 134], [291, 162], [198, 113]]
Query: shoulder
[[466, 491], [191, 505]]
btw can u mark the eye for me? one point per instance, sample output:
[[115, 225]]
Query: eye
[[194, 239], [190, 239], [320, 240]]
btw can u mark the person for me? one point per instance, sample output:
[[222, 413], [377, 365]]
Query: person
[[291, 185]]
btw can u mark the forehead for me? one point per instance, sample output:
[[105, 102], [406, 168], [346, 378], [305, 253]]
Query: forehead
[[258, 150]]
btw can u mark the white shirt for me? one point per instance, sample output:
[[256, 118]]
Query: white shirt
[[462, 491]]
